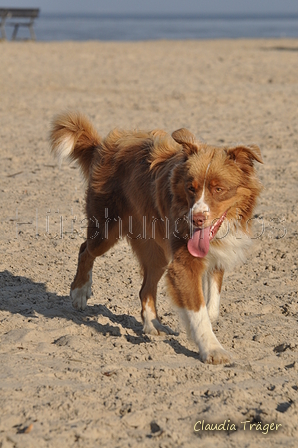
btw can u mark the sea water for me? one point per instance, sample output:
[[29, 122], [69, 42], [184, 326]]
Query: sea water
[[107, 27]]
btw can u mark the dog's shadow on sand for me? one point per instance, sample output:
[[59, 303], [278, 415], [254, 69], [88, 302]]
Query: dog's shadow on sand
[[20, 295]]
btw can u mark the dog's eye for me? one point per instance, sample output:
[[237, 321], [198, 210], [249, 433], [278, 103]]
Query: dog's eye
[[218, 190], [191, 188]]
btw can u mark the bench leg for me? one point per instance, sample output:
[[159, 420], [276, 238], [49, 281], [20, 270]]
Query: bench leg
[[2, 27], [33, 37], [15, 30]]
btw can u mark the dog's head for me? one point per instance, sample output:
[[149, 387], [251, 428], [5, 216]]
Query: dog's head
[[211, 185]]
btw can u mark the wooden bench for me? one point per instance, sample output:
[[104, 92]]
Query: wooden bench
[[20, 17]]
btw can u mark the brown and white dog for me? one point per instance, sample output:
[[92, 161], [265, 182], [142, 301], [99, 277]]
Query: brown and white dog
[[184, 206]]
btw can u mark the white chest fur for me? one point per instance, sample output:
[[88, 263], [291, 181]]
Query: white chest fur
[[228, 249]]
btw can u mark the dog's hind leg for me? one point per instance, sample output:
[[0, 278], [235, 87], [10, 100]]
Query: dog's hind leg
[[80, 289], [97, 244], [153, 263]]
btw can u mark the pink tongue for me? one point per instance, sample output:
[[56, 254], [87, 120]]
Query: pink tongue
[[198, 245]]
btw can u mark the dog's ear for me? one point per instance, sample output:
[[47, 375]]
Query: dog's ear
[[244, 155], [185, 138]]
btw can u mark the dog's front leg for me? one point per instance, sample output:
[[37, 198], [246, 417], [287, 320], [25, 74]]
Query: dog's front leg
[[185, 283], [212, 282], [200, 331]]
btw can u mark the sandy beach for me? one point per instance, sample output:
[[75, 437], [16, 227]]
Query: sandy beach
[[92, 379]]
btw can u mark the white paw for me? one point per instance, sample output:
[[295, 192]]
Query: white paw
[[154, 327], [149, 328], [79, 296], [216, 356]]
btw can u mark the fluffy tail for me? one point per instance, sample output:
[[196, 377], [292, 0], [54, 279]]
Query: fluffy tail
[[73, 136]]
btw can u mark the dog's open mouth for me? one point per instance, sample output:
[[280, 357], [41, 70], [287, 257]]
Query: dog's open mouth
[[198, 245]]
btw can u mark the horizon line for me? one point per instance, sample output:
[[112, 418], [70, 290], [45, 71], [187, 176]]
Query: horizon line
[[175, 16]]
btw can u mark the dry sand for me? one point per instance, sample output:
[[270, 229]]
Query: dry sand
[[92, 379]]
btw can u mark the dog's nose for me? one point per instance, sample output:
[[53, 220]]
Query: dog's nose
[[198, 219]]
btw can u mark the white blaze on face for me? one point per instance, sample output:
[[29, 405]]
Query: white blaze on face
[[200, 206]]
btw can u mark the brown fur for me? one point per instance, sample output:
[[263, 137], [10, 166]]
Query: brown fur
[[155, 179], [85, 138]]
